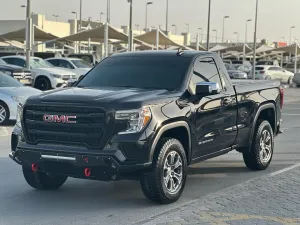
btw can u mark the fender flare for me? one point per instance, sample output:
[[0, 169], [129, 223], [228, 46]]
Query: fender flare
[[260, 109], [167, 127]]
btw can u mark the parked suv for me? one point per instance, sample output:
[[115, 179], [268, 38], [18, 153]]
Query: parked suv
[[23, 75], [45, 75]]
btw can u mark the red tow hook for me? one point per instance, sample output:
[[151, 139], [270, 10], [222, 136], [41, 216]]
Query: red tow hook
[[34, 167], [87, 172]]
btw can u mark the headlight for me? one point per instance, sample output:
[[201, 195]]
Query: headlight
[[16, 98], [137, 119], [19, 115], [55, 75], [7, 72]]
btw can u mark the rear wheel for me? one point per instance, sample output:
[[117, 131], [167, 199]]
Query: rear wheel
[[261, 153], [167, 180], [4, 113], [42, 181], [42, 83]]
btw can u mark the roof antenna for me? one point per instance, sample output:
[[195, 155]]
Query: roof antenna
[[180, 51]]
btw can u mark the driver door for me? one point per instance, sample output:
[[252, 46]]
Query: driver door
[[215, 115]]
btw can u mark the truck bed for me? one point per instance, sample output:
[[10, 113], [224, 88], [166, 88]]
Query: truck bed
[[242, 86]]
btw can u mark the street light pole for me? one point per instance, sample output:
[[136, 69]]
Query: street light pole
[[223, 29], [146, 19], [80, 23], [130, 44], [201, 33], [167, 16], [216, 35], [75, 15], [290, 38], [187, 28], [175, 28], [106, 29], [237, 36], [254, 45], [208, 25], [28, 33], [101, 16], [246, 34]]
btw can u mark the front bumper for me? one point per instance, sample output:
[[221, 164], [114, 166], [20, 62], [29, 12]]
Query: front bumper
[[106, 164]]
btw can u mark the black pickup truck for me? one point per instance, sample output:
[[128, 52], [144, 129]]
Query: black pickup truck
[[146, 116]]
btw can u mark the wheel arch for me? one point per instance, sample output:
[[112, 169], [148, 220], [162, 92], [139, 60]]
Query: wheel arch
[[267, 112], [171, 130]]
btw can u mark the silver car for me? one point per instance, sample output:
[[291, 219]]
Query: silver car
[[11, 93]]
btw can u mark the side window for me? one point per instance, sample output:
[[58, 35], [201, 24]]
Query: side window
[[19, 62], [65, 64], [272, 68], [54, 62], [205, 70], [9, 60]]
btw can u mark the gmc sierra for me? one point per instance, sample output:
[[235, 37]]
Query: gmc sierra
[[148, 116]]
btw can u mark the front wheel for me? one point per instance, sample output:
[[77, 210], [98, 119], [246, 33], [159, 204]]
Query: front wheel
[[4, 113], [260, 155], [42, 83], [42, 181], [165, 183]]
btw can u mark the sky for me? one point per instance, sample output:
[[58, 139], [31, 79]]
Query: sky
[[275, 17]]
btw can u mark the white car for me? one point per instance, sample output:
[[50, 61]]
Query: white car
[[265, 72], [12, 92], [78, 66], [45, 75]]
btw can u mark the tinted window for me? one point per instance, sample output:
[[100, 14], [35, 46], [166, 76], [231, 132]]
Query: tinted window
[[229, 67], [81, 64], [259, 68], [274, 68], [19, 62], [2, 62], [8, 81], [138, 72], [54, 62], [65, 64], [37, 63], [205, 70], [9, 60]]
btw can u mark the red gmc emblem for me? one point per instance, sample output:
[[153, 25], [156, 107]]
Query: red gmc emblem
[[59, 119]]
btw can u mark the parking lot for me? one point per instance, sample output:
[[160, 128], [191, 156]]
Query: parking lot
[[93, 202]]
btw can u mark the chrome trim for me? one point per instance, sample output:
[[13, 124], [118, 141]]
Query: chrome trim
[[56, 157]]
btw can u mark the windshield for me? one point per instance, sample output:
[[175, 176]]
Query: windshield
[[8, 81], [229, 66], [138, 72], [81, 63], [259, 68], [37, 63], [2, 62]]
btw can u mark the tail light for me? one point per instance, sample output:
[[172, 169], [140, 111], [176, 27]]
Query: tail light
[[281, 97], [262, 72]]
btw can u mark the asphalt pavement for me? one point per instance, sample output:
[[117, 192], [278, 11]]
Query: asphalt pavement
[[122, 202]]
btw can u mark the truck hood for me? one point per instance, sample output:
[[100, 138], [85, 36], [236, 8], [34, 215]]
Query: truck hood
[[114, 97], [53, 71]]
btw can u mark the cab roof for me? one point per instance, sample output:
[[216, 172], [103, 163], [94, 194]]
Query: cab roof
[[153, 53]]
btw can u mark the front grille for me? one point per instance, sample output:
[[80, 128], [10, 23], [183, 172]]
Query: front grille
[[91, 128], [22, 75], [68, 77]]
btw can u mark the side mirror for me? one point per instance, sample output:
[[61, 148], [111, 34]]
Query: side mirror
[[207, 88]]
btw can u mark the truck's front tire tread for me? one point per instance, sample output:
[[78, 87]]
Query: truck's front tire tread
[[152, 184], [252, 157], [42, 181]]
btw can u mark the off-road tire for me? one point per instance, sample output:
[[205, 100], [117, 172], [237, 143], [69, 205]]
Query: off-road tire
[[152, 183], [252, 158], [42, 181]]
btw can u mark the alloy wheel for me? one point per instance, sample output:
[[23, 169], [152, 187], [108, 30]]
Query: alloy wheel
[[173, 172], [2, 114], [265, 146]]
